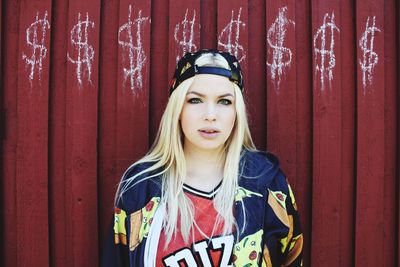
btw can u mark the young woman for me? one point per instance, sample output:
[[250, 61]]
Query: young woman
[[203, 195]]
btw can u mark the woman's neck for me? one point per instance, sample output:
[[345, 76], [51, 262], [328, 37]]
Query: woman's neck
[[204, 169]]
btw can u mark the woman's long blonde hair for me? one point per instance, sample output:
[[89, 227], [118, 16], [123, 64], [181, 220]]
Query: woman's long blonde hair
[[166, 154]]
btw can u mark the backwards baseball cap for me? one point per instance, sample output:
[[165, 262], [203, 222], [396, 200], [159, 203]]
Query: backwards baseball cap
[[187, 68]]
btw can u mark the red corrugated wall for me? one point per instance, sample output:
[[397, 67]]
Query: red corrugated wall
[[84, 85]]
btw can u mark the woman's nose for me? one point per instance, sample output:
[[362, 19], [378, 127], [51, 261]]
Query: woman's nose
[[210, 112]]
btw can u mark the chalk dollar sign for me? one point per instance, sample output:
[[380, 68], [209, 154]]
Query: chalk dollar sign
[[370, 58], [137, 58], [281, 55], [232, 40], [39, 50], [187, 44], [325, 51], [85, 52]]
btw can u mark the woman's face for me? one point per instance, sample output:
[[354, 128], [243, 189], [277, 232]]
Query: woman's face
[[208, 114]]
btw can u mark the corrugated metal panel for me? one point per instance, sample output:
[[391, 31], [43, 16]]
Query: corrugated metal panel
[[376, 136], [289, 98], [333, 62], [84, 87], [31, 183], [81, 128], [59, 255]]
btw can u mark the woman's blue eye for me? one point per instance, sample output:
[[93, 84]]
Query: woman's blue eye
[[194, 100], [198, 100], [225, 101]]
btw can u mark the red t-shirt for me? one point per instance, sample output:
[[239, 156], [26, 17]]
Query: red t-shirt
[[206, 252]]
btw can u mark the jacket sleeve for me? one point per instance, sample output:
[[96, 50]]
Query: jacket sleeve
[[116, 251], [282, 207], [123, 234]]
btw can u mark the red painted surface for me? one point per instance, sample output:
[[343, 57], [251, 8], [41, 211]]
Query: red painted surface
[[1, 123], [208, 22], [57, 132], [370, 147], [184, 31], [81, 132], [327, 134], [232, 21], [9, 141], [31, 164], [66, 144], [288, 99], [391, 113], [302, 181], [159, 71], [109, 175], [124, 102], [255, 82], [347, 187]]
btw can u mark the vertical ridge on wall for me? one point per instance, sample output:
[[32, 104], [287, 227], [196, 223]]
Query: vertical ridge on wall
[[9, 142], [124, 135], [159, 63], [391, 133], [81, 131], [1, 131], [133, 82], [57, 150], [184, 31], [232, 21], [108, 172], [287, 98], [281, 85], [208, 24], [303, 180], [347, 84], [254, 83], [370, 217], [31, 207], [397, 21], [2, 126], [329, 213]]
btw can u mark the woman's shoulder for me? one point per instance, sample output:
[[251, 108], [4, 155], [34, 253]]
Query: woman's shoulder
[[139, 182], [135, 169], [259, 166], [259, 161]]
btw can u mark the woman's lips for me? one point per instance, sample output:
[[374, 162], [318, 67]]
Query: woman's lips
[[209, 134]]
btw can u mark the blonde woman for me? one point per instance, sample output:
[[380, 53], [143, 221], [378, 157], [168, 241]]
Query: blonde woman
[[204, 195]]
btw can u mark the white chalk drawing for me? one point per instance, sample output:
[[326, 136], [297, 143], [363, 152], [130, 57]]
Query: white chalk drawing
[[325, 62], [370, 58], [229, 37], [37, 43], [186, 44], [281, 55], [85, 52], [132, 31]]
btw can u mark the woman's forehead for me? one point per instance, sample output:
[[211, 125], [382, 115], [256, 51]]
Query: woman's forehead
[[210, 84]]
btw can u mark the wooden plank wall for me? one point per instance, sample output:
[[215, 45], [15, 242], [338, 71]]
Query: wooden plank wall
[[84, 85]]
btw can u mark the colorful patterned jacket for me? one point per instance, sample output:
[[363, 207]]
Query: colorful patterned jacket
[[272, 236]]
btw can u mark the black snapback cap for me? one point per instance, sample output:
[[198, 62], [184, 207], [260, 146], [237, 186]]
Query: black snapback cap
[[187, 68]]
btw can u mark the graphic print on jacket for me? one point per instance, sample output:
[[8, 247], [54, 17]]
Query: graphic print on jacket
[[201, 251]]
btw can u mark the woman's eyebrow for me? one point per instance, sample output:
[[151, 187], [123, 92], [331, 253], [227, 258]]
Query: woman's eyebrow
[[225, 95], [199, 94]]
